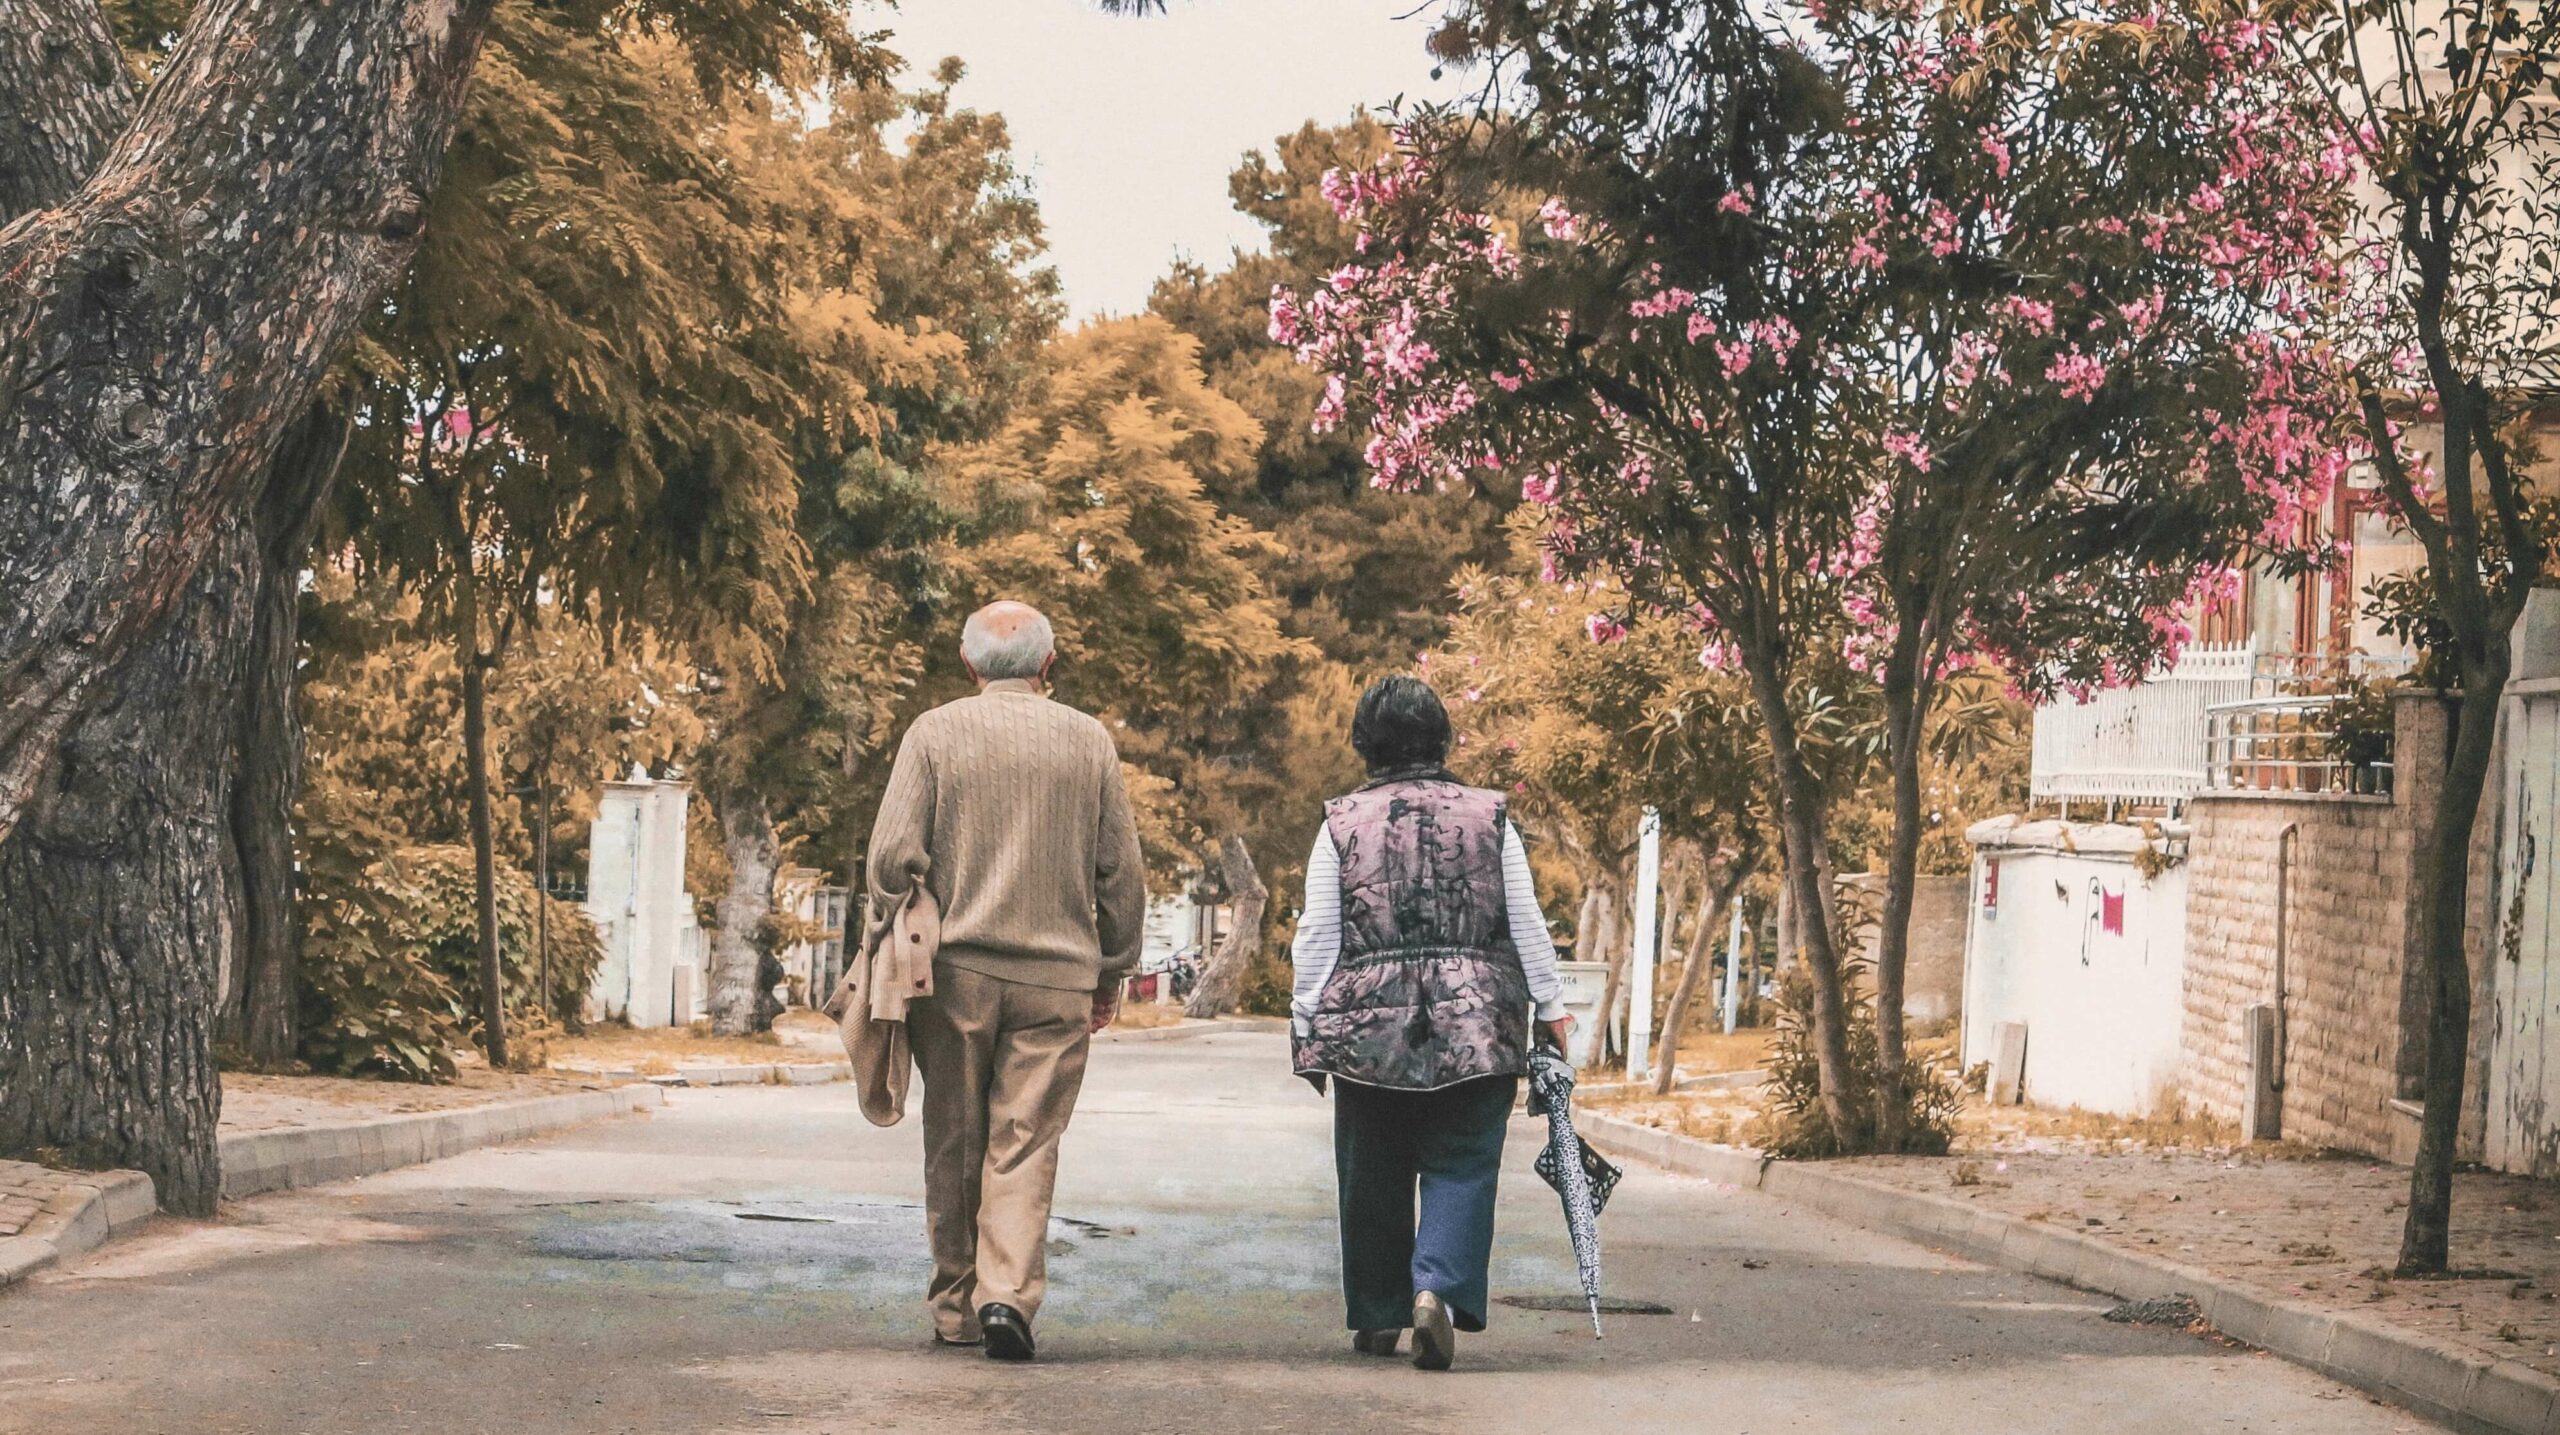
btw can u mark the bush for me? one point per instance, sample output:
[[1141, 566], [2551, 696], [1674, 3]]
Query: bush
[[1795, 1126], [391, 967]]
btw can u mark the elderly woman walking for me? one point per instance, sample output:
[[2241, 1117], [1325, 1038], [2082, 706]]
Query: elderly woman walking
[[1421, 954]]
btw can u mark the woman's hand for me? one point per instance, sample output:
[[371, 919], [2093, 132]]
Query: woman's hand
[[1559, 1032]]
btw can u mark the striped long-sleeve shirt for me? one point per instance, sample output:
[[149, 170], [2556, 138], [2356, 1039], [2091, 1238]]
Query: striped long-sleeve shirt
[[1319, 941]]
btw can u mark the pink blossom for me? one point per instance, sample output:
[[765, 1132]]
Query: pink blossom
[[1601, 628], [1998, 149], [1284, 316], [2080, 375], [2034, 313], [1661, 302], [1909, 447]]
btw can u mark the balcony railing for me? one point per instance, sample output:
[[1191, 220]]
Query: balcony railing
[[2295, 745], [2143, 745]]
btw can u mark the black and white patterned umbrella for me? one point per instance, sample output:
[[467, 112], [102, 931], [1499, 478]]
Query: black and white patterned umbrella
[[1582, 1176]]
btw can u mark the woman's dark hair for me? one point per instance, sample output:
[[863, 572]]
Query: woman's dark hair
[[1400, 724]]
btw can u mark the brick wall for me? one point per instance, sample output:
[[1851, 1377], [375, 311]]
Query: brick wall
[[1933, 970], [2355, 996]]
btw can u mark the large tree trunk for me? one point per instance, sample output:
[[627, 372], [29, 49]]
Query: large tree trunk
[[735, 986], [1715, 895], [259, 1000], [1223, 981], [163, 326], [119, 906]]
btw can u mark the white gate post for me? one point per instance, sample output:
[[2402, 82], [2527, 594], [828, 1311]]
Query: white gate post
[[1733, 968], [1640, 962]]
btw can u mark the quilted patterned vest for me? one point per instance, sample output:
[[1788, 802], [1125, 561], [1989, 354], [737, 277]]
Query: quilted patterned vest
[[1428, 991]]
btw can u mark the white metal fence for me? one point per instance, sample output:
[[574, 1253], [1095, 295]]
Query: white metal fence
[[2143, 744], [2295, 744]]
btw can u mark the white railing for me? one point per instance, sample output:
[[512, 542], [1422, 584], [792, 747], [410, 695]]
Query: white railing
[[2292, 745], [2143, 744]]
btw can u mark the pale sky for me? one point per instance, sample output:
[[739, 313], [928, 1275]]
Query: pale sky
[[1128, 126]]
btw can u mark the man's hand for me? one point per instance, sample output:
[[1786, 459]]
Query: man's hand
[[1559, 1031], [1106, 1005]]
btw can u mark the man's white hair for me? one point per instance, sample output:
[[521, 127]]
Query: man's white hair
[[1007, 640]]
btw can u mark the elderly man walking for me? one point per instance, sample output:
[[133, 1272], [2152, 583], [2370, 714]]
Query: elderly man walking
[[1009, 808]]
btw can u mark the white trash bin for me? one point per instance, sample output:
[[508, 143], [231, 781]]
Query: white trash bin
[[1583, 984]]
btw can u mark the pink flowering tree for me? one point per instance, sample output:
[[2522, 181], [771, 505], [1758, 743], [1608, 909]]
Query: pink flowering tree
[[1930, 336]]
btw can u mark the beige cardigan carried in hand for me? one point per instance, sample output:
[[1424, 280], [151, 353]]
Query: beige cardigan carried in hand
[[1010, 808]]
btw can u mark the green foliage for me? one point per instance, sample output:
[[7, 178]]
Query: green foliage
[[1794, 1125], [1266, 984], [382, 761], [2363, 726], [1362, 574], [391, 972], [1097, 504]]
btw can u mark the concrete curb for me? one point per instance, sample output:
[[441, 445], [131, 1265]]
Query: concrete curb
[[779, 1073], [2442, 1381], [258, 1161], [1712, 1081], [1191, 1029], [109, 1202]]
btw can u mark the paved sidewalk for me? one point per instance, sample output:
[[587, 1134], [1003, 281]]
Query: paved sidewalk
[[2310, 1226], [26, 1189], [2279, 1246], [2325, 1230]]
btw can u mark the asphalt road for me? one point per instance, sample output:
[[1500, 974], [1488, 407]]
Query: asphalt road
[[750, 1260]]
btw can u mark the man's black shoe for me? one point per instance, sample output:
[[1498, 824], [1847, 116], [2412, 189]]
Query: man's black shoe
[[1008, 1332]]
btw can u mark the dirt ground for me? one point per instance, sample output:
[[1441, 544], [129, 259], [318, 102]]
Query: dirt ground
[[252, 1102], [658, 1051], [1146, 1016], [2310, 1225]]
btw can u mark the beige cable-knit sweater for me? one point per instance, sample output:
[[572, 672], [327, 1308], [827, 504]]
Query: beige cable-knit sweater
[[1012, 809]]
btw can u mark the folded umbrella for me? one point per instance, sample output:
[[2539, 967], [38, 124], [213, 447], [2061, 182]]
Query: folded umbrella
[[1582, 1176]]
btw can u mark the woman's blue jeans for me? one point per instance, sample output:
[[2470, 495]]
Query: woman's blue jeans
[[1446, 1146]]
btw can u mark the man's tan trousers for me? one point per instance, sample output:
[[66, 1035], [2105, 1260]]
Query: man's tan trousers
[[1002, 1062]]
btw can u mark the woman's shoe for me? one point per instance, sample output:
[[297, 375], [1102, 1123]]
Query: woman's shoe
[[1376, 1342], [1435, 1344]]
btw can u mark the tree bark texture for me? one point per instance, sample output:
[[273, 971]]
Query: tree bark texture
[[162, 327], [1223, 982], [734, 987], [64, 97], [124, 903], [259, 999], [119, 903]]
